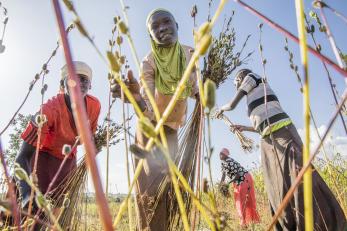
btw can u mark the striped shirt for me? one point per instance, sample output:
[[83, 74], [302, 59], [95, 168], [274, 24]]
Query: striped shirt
[[253, 86]]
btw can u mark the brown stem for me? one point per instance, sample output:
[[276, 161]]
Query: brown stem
[[83, 128], [292, 37]]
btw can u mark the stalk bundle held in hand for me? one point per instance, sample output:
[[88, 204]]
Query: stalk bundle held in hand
[[246, 143]]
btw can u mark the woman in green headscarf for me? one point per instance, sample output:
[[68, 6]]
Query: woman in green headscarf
[[162, 69]]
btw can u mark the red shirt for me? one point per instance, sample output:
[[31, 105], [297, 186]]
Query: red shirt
[[60, 127]]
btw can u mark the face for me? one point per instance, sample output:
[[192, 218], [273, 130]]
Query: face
[[163, 28], [85, 84], [222, 156]]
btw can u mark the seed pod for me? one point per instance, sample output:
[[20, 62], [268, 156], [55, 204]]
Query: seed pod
[[312, 28], [122, 59], [313, 14], [146, 127], [21, 173], [264, 61], [44, 66], [115, 20], [80, 27], [113, 62], [5, 20], [319, 4], [210, 93], [204, 29], [122, 27], [260, 25], [194, 11], [66, 202], [66, 150], [69, 5], [37, 76], [41, 201], [40, 119], [260, 47], [319, 47], [205, 185], [205, 44], [119, 40]]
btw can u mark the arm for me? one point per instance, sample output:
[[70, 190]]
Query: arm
[[147, 69], [233, 103], [223, 178], [242, 128]]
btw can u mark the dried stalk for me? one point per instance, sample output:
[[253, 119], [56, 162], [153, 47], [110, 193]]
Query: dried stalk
[[247, 144], [292, 37], [82, 126]]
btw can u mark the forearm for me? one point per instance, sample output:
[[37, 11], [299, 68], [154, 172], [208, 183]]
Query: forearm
[[249, 129], [234, 102], [141, 102]]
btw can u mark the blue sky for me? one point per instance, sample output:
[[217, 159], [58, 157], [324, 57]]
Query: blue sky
[[31, 35]]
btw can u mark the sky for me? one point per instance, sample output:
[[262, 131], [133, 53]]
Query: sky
[[32, 33]]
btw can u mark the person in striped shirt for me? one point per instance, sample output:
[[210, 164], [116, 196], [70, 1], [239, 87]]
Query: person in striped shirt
[[281, 156]]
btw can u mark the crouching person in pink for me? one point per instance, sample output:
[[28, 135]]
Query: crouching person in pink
[[242, 182]]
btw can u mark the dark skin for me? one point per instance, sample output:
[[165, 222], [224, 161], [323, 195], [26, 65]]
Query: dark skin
[[222, 156], [232, 105], [163, 30]]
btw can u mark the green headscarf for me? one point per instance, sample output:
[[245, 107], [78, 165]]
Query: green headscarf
[[170, 64]]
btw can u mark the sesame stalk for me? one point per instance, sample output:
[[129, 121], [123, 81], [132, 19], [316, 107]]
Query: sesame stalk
[[82, 125]]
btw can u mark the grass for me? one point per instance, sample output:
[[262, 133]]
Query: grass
[[225, 205]]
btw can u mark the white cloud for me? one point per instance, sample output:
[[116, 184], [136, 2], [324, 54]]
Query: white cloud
[[333, 143]]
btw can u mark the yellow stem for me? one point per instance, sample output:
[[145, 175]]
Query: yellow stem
[[168, 109], [306, 152]]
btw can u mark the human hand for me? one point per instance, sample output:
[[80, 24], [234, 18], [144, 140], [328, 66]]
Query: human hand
[[219, 114], [238, 127], [131, 83]]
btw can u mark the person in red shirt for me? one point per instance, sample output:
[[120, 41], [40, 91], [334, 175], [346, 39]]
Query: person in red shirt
[[59, 130]]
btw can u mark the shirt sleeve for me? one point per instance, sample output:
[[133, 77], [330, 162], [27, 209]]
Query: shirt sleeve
[[30, 134], [148, 70], [94, 122], [248, 84]]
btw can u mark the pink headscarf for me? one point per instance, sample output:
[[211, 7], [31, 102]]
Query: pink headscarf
[[225, 152]]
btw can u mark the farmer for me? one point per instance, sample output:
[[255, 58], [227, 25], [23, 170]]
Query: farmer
[[59, 130], [242, 181], [162, 70], [281, 156]]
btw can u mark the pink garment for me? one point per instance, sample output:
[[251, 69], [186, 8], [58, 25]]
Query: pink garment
[[245, 202]]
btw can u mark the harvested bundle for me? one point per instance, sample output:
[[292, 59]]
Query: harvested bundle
[[72, 190], [186, 162], [222, 59], [246, 143]]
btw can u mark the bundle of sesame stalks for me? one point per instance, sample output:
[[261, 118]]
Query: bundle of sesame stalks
[[222, 58], [246, 143], [72, 189]]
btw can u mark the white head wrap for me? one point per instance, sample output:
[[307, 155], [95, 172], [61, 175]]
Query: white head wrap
[[80, 68]]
